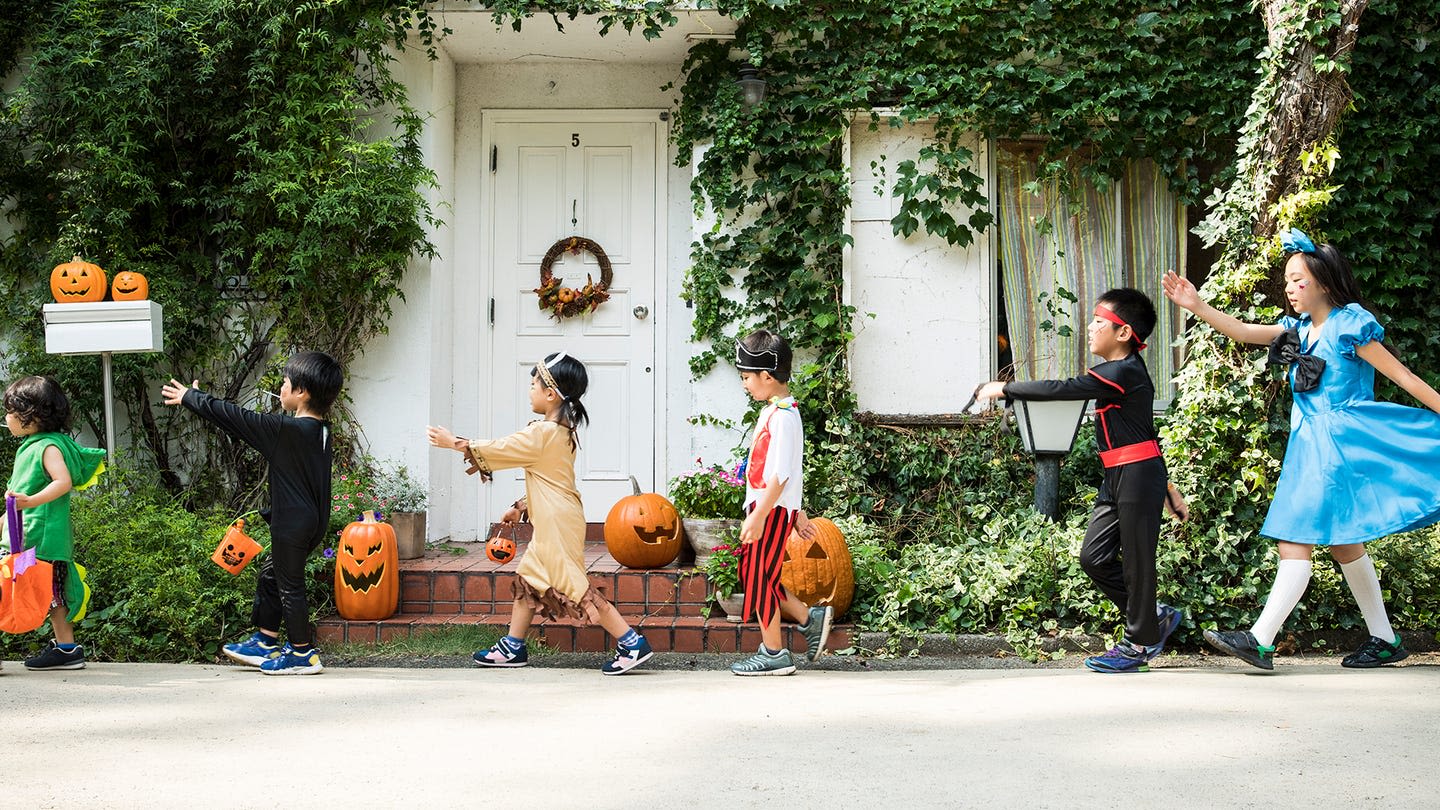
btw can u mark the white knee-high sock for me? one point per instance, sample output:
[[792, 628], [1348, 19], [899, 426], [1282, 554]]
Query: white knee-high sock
[[1291, 580], [1365, 584]]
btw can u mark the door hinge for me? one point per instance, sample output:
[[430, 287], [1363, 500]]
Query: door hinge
[[492, 311], [494, 157]]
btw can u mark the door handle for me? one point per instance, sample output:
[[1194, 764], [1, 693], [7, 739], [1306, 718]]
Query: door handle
[[641, 312]]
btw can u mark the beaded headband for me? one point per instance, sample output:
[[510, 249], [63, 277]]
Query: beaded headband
[[543, 369], [1109, 315], [764, 361]]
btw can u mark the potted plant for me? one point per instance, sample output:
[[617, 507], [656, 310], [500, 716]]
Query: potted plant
[[710, 501], [722, 569], [403, 500]]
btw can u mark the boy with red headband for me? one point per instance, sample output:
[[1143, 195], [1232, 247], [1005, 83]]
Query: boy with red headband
[[1119, 549]]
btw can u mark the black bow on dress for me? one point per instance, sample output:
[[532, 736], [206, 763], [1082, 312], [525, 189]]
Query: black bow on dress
[[1285, 349]]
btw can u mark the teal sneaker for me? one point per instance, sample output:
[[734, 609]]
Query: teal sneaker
[[291, 661], [1243, 645], [253, 651], [763, 663], [817, 631], [1376, 653]]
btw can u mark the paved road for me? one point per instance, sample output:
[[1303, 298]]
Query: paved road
[[155, 735]]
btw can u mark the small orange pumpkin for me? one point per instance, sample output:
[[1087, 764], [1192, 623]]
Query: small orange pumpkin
[[643, 530], [565, 294], [129, 286], [367, 571], [819, 571], [77, 281]]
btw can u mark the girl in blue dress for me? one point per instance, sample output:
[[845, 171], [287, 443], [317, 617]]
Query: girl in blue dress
[[1355, 469]]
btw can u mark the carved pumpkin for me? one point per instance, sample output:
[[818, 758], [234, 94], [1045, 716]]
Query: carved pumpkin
[[77, 281], [643, 530], [500, 549], [236, 549], [819, 571], [367, 571], [129, 286]]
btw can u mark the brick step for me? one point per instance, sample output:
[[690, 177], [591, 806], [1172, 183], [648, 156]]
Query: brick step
[[682, 634], [462, 580], [456, 584]]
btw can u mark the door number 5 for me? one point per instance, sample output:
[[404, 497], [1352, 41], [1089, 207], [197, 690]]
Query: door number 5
[[574, 139]]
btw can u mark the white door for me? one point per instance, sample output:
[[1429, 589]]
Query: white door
[[597, 180]]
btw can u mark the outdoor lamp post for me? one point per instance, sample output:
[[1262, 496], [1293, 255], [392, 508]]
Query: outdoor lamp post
[[1047, 429], [752, 87]]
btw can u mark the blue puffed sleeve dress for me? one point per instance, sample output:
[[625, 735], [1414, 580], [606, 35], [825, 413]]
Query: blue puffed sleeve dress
[[1355, 469]]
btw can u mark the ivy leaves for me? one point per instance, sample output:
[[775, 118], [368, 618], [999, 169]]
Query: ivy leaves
[[222, 149]]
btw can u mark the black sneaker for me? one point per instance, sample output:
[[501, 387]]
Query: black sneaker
[[52, 657], [1375, 653], [1243, 645]]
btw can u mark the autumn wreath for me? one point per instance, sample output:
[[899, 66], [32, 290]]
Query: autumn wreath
[[564, 302]]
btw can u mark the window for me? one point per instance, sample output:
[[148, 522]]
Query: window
[[1126, 236]]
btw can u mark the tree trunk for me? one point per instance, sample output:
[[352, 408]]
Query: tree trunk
[[1307, 104]]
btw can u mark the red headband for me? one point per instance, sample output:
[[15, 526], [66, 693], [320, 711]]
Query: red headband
[[1109, 315]]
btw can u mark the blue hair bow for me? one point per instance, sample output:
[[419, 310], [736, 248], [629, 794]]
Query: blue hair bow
[[1295, 241]]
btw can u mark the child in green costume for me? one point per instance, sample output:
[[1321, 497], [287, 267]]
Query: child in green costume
[[47, 466]]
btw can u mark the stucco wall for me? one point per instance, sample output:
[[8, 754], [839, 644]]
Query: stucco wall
[[397, 380]]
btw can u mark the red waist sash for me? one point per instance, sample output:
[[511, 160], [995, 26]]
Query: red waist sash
[[1130, 453]]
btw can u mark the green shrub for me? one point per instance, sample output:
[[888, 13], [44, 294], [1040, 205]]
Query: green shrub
[[952, 545], [156, 594]]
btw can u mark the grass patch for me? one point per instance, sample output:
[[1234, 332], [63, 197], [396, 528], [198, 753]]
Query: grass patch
[[447, 640]]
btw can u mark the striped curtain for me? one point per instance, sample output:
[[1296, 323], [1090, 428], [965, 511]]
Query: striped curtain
[[1125, 237]]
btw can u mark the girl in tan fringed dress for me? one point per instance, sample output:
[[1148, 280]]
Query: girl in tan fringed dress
[[552, 572]]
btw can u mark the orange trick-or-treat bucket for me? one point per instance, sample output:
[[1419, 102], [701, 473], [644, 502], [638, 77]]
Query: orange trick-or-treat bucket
[[236, 549], [500, 549]]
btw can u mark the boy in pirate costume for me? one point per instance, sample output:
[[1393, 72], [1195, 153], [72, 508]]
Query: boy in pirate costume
[[773, 490], [1119, 548]]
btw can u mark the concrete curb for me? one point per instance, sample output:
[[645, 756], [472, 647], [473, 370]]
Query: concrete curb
[[942, 644]]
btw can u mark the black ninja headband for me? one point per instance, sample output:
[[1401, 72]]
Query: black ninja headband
[[764, 361]]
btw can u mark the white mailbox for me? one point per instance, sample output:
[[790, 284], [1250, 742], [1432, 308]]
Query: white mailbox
[[104, 326]]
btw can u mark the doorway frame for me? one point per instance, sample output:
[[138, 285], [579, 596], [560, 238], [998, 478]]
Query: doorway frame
[[659, 120]]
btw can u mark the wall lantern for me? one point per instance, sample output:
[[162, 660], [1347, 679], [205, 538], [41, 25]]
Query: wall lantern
[[1047, 429], [752, 87]]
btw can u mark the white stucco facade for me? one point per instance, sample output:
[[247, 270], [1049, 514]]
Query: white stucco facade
[[927, 300], [928, 342]]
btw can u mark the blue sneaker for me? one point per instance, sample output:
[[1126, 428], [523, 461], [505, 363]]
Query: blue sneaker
[[291, 661], [1123, 657], [507, 652], [627, 658], [1169, 621], [253, 651]]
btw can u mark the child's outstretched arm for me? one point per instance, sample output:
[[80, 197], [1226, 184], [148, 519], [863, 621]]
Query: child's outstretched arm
[[258, 430], [1388, 364], [60, 482], [442, 437], [1183, 293]]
